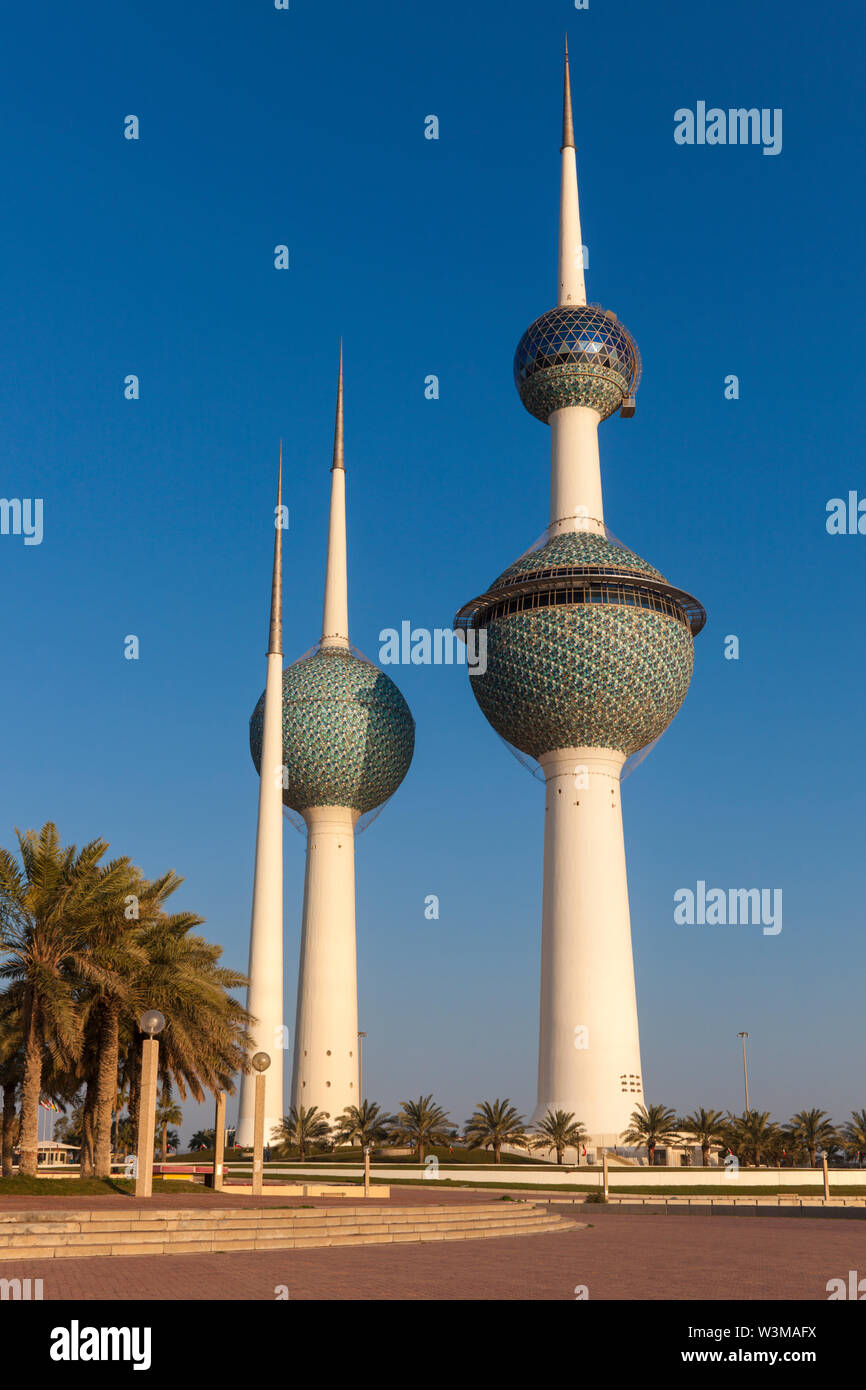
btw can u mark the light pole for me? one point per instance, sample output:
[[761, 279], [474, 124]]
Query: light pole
[[152, 1022], [219, 1141], [745, 1070], [261, 1062], [361, 1037]]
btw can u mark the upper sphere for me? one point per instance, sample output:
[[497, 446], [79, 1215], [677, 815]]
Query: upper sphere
[[348, 734], [576, 355]]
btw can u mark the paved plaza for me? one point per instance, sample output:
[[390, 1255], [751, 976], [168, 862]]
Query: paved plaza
[[621, 1256]]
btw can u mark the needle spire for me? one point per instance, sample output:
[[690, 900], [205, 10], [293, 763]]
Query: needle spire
[[335, 618], [275, 640]]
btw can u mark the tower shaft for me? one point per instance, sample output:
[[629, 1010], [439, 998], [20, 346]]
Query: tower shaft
[[589, 1052], [575, 471], [265, 993], [325, 1071]]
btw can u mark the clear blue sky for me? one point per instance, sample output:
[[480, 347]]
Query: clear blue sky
[[155, 257]]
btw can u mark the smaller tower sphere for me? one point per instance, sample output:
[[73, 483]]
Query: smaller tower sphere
[[576, 355], [348, 734]]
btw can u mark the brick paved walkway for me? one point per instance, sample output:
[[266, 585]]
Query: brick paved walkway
[[622, 1256]]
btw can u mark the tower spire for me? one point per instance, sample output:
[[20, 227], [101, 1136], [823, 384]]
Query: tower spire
[[567, 122], [335, 617], [572, 288], [275, 640], [265, 992]]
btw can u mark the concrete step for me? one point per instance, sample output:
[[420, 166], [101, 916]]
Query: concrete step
[[260, 1224], [141, 1215], [257, 1231], [104, 1222], [222, 1245]]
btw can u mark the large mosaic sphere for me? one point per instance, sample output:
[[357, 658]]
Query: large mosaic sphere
[[587, 646], [576, 355], [348, 734]]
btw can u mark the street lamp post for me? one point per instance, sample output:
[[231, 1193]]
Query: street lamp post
[[151, 1023], [261, 1062], [745, 1070], [219, 1141]]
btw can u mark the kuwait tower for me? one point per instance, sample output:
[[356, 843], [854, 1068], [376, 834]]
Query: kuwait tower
[[589, 657], [347, 742]]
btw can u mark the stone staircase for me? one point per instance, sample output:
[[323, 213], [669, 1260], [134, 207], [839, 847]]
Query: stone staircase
[[214, 1230]]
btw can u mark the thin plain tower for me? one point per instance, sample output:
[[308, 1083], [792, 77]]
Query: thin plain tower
[[348, 739], [265, 993], [589, 657]]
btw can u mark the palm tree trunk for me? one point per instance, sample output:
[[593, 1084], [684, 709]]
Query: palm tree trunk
[[106, 1083], [31, 1088], [9, 1118], [560, 1153], [134, 1088], [705, 1155], [88, 1126], [420, 1150], [497, 1153]]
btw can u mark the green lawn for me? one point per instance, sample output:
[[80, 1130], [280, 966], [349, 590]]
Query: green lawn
[[86, 1187], [731, 1190], [478, 1157]]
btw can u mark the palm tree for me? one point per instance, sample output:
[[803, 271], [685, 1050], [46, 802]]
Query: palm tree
[[421, 1123], [118, 957], [48, 904], [203, 1139], [11, 1072], [651, 1125], [204, 1044], [707, 1127], [367, 1124], [302, 1129], [811, 1130], [855, 1133], [752, 1136], [493, 1124], [559, 1130], [168, 1112]]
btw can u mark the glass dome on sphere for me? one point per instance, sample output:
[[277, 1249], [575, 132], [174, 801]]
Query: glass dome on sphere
[[576, 355]]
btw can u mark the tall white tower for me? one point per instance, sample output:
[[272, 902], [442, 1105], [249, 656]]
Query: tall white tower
[[265, 993], [589, 657], [348, 738]]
